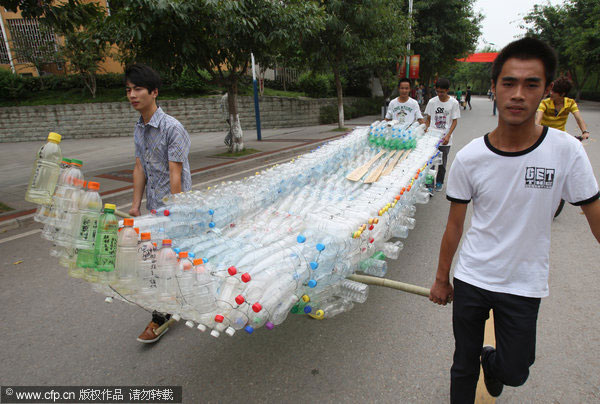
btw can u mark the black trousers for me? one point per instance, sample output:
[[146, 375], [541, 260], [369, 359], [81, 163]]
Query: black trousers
[[441, 170], [515, 319]]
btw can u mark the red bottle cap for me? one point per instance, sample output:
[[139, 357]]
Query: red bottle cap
[[256, 307], [166, 212], [246, 277], [232, 271], [240, 299], [219, 318]]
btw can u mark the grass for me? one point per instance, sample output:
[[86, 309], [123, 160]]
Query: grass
[[79, 96], [242, 153], [5, 208]]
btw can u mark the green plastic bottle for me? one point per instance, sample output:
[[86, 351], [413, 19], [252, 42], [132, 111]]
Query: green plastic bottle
[[105, 247]]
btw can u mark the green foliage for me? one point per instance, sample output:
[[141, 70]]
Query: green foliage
[[573, 29], [360, 107], [476, 75], [361, 32], [317, 85], [192, 82], [444, 30], [12, 86]]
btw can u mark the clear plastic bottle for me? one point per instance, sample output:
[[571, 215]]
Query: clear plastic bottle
[[146, 256], [126, 257], [105, 246], [166, 269], [45, 172], [43, 212], [86, 223]]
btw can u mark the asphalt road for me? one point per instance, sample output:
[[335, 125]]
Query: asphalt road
[[395, 347]]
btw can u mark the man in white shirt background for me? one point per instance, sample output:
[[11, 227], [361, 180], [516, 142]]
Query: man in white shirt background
[[404, 109], [442, 113]]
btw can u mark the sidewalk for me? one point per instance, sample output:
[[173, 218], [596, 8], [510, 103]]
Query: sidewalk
[[109, 161]]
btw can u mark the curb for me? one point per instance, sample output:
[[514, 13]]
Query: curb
[[25, 217]]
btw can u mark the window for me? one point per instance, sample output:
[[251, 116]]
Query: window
[[3, 51], [29, 42]]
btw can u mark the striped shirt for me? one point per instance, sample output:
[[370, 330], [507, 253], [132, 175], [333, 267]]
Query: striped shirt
[[161, 140]]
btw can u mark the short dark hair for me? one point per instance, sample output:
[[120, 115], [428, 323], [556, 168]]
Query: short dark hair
[[526, 49], [562, 85], [442, 83], [142, 76], [404, 80]]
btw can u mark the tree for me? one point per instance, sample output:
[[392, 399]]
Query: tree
[[443, 31], [215, 35], [85, 50], [64, 15], [573, 29], [359, 32]]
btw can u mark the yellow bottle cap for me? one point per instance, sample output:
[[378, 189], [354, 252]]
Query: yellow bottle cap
[[54, 137], [305, 298], [110, 206]]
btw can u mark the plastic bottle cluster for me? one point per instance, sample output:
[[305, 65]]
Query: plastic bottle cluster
[[247, 253]]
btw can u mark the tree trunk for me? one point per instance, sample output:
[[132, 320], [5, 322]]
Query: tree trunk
[[237, 143], [340, 97]]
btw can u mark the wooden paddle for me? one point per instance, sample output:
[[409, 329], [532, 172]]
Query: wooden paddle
[[357, 174], [392, 164], [374, 176]]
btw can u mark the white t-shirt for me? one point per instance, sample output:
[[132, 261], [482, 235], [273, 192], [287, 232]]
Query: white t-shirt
[[514, 197], [404, 112], [442, 114]]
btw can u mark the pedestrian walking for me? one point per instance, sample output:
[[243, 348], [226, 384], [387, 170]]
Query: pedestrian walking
[[442, 113], [468, 98], [161, 167], [503, 261]]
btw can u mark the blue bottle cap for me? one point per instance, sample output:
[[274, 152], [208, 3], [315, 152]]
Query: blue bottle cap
[[211, 212], [249, 329], [177, 250], [191, 255], [312, 283], [320, 247], [314, 265], [301, 238], [307, 309], [211, 224], [205, 260]]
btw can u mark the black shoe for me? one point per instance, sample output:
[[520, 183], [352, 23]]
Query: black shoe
[[493, 385]]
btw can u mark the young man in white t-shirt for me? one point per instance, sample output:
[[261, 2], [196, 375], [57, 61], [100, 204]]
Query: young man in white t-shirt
[[442, 113], [404, 109], [515, 176]]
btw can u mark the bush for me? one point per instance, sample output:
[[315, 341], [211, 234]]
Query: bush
[[12, 86], [110, 80], [360, 107], [192, 82], [317, 85]]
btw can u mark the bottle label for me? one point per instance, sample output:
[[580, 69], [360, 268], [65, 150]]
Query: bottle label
[[106, 251], [87, 230]]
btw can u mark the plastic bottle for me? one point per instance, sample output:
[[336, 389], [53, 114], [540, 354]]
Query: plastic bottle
[[43, 212], [86, 224], [105, 246], [126, 258], [146, 257], [45, 172], [166, 269]]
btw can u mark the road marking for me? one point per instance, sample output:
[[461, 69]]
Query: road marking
[[18, 236]]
